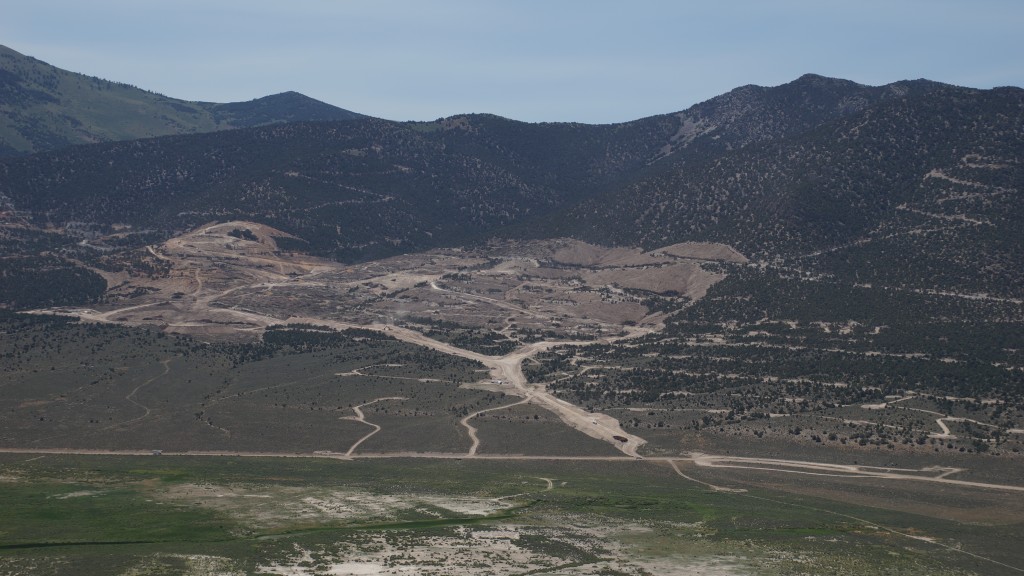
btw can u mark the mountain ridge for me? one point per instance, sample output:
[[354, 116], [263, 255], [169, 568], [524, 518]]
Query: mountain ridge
[[43, 108], [779, 172]]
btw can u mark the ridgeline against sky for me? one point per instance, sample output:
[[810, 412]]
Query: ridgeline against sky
[[593, 61]]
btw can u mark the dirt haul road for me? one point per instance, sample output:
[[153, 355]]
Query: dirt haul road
[[927, 475], [507, 369]]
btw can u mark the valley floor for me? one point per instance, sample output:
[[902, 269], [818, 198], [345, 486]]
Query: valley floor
[[379, 419]]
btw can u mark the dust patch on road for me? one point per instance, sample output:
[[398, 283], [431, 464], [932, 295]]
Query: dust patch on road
[[488, 386]]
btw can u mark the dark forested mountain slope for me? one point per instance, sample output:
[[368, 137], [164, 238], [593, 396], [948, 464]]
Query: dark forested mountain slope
[[44, 108], [756, 114], [914, 184], [352, 190], [917, 186]]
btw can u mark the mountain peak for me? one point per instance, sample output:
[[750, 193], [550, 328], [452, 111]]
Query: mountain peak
[[811, 79], [46, 108], [288, 106]]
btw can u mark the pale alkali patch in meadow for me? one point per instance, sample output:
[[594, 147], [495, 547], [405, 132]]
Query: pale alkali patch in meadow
[[724, 566], [465, 505], [202, 565], [77, 494], [569, 544], [262, 506]]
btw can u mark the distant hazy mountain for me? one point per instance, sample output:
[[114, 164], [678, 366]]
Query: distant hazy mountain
[[915, 184], [45, 108]]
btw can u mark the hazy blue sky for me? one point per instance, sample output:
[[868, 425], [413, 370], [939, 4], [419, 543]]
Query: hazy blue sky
[[538, 60]]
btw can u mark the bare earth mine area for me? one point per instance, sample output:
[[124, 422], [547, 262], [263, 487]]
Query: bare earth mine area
[[216, 283], [497, 305]]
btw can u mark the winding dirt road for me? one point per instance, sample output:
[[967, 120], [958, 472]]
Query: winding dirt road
[[472, 429], [360, 417], [131, 397]]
